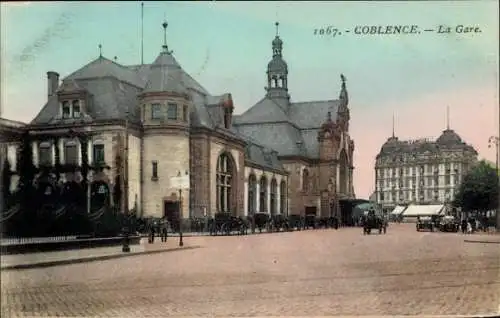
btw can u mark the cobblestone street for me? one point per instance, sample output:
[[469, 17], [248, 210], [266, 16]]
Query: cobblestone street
[[322, 272]]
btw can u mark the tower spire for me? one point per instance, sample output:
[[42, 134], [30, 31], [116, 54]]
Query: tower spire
[[165, 46], [447, 117], [277, 24], [393, 128]]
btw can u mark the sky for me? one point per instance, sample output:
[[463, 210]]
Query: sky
[[226, 46]]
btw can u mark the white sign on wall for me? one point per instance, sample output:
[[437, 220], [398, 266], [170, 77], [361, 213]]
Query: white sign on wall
[[181, 182]]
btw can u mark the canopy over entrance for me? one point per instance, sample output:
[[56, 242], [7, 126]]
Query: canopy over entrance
[[423, 210], [398, 210]]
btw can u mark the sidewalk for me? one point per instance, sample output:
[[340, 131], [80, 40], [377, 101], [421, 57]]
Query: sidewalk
[[48, 259], [492, 236]]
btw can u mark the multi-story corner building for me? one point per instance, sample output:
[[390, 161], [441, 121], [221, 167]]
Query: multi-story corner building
[[422, 171], [277, 157]]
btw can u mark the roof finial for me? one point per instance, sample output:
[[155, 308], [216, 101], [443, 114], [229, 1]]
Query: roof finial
[[116, 58], [277, 24], [165, 46], [447, 117], [100, 50], [393, 128], [343, 79]]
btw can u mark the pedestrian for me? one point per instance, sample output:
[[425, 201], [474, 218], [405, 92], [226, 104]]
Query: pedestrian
[[469, 228], [152, 240], [164, 233], [464, 226]]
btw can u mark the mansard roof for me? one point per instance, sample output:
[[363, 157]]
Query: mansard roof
[[113, 90], [448, 141], [293, 132]]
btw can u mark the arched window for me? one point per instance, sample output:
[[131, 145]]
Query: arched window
[[343, 172], [252, 194], [305, 180], [274, 194], [263, 194], [224, 183], [283, 193]]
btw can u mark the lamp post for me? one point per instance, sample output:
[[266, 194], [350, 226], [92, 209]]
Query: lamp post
[[126, 229], [495, 141], [181, 185]]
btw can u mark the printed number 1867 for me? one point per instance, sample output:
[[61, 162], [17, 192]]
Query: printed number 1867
[[329, 31]]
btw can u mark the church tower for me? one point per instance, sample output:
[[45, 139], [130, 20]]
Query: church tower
[[277, 74]]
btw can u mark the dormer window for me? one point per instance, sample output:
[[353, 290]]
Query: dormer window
[[66, 110], [76, 109], [156, 112], [172, 111]]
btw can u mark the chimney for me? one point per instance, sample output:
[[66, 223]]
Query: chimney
[[53, 83]]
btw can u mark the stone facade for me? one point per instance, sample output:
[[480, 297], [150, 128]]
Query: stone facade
[[422, 171], [311, 139], [277, 157]]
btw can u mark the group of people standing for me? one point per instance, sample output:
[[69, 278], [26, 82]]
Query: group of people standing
[[160, 229], [470, 225]]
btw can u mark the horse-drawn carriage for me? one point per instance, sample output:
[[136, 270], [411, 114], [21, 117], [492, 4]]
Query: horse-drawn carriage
[[449, 223], [278, 222], [226, 224], [426, 223], [372, 221]]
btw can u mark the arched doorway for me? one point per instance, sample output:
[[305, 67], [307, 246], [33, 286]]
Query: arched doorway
[[343, 172], [252, 194], [273, 197], [99, 195], [263, 194], [225, 183]]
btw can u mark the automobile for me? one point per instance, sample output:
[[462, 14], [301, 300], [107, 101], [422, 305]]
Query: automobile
[[425, 223], [449, 223]]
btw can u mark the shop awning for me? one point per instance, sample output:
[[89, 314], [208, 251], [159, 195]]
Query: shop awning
[[424, 210], [398, 210]]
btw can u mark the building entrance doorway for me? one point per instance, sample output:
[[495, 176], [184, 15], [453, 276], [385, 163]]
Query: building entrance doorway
[[171, 212], [311, 210]]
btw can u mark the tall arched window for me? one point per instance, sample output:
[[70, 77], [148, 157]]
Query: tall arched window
[[263, 194], [283, 192], [274, 194], [305, 180], [224, 182], [252, 194], [343, 172]]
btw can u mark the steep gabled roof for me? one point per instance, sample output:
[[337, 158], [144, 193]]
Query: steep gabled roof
[[103, 67], [266, 110]]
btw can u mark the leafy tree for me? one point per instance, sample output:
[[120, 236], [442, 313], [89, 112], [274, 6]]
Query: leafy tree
[[26, 168], [6, 180], [479, 189]]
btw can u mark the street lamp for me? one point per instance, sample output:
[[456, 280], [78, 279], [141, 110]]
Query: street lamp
[[179, 175], [495, 141], [126, 229]]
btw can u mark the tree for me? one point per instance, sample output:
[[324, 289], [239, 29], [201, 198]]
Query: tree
[[6, 181], [479, 189]]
